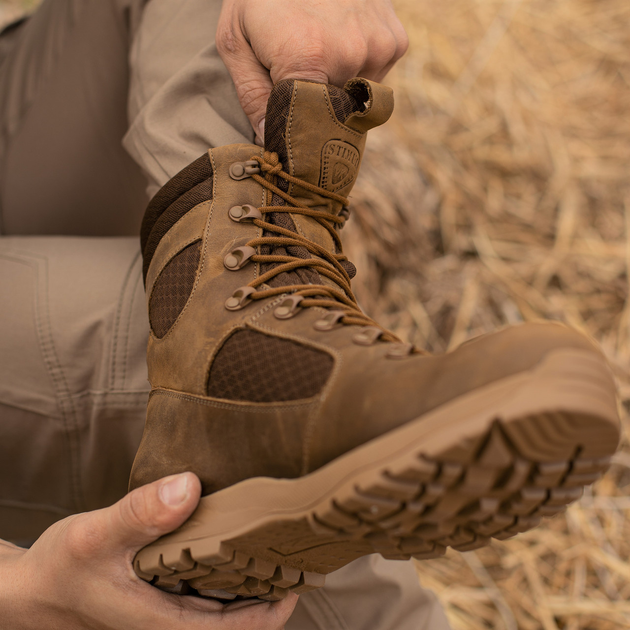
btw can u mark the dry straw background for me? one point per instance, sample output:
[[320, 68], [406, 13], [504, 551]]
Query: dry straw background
[[499, 193]]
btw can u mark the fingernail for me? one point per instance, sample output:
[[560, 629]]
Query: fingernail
[[175, 491], [261, 129]]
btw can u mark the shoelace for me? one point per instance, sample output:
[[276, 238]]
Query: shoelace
[[343, 302]]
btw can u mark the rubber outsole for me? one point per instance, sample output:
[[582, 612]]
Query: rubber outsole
[[488, 465]]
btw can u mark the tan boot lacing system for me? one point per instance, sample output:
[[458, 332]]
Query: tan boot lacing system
[[345, 307]]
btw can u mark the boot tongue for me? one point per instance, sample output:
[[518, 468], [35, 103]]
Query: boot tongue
[[300, 128], [318, 132]]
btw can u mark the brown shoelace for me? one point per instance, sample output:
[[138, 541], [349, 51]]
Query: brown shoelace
[[328, 264]]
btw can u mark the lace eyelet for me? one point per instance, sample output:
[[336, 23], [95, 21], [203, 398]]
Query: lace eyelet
[[288, 307], [239, 299], [238, 257], [367, 336], [246, 212], [242, 170], [400, 351], [329, 321]]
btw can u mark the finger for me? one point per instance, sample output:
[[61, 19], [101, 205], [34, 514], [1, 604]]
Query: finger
[[253, 86], [251, 614], [149, 512], [308, 59], [251, 79], [383, 54]]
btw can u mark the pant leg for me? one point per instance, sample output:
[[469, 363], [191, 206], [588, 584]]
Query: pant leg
[[73, 392], [370, 594], [73, 379], [182, 100], [68, 89], [72, 335], [63, 113]]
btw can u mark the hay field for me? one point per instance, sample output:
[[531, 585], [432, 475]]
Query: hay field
[[498, 194]]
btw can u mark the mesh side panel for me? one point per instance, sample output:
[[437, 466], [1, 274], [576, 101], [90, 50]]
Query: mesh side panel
[[173, 288], [187, 178], [244, 369], [342, 103], [171, 214], [278, 107]]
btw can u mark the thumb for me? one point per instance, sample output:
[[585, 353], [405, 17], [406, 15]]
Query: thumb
[[253, 86], [250, 77], [151, 511], [254, 83]]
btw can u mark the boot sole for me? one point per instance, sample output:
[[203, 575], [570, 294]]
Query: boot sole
[[489, 464]]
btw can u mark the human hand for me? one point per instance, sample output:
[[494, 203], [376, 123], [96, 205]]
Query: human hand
[[79, 575], [329, 41]]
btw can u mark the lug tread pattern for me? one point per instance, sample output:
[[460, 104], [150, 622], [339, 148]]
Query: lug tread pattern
[[415, 508]]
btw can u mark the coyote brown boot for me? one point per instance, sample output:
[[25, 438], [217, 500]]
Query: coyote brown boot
[[318, 436]]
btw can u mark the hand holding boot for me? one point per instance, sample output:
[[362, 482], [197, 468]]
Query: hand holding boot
[[78, 575], [329, 41]]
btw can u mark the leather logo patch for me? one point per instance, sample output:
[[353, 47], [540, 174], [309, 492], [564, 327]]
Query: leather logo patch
[[340, 164]]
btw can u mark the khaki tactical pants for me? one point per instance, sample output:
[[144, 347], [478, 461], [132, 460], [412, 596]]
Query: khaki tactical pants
[[97, 97]]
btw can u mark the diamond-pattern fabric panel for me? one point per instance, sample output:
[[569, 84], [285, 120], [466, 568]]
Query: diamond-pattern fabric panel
[[254, 367], [173, 288], [342, 103], [278, 107]]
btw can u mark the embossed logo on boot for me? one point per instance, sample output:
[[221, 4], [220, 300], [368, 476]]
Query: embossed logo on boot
[[340, 164], [340, 171]]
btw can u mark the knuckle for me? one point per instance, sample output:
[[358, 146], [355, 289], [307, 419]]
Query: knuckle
[[252, 96], [82, 537], [227, 42], [134, 511], [305, 56], [382, 52], [357, 53], [390, 48], [400, 39], [402, 44], [314, 55]]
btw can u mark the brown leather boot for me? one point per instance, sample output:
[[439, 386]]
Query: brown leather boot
[[319, 437]]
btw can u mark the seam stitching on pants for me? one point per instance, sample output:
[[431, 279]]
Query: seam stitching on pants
[[129, 317], [121, 342], [53, 364], [35, 507]]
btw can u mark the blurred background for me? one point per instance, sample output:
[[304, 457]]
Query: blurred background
[[499, 193]]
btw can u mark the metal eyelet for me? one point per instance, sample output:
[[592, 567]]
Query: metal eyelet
[[288, 307], [329, 321], [238, 257], [400, 351], [367, 336], [246, 212], [239, 299], [242, 170]]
